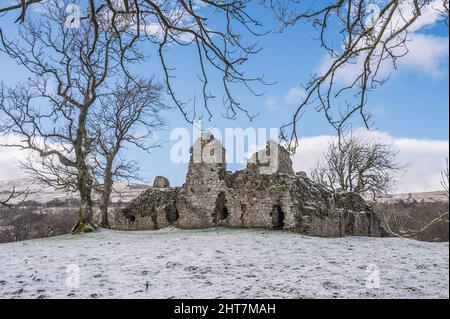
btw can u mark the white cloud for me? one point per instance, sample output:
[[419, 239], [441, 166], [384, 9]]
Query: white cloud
[[426, 54], [295, 95], [430, 14], [426, 158], [9, 158], [270, 102]]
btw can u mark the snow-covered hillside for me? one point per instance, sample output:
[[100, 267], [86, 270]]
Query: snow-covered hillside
[[427, 197], [37, 192], [222, 263]]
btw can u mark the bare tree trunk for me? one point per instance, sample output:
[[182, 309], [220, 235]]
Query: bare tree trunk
[[84, 180], [85, 214], [106, 194]]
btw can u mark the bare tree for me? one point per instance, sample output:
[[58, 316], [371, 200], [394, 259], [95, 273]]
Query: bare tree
[[71, 69], [445, 178], [129, 116], [357, 164], [363, 38], [14, 198]]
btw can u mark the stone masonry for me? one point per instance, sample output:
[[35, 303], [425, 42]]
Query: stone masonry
[[266, 194]]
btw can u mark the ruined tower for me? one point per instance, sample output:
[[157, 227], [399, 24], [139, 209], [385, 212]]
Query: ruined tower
[[273, 159], [205, 183]]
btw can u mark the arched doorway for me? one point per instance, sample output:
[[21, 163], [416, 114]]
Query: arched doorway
[[220, 210], [277, 217]]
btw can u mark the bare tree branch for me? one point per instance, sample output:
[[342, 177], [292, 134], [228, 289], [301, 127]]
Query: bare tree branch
[[400, 226], [356, 164], [14, 198], [214, 30]]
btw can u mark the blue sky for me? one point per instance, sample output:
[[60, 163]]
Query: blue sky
[[413, 105]]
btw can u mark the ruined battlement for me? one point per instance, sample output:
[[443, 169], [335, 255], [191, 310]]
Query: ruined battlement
[[266, 194]]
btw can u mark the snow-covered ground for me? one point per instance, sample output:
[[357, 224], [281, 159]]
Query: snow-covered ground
[[222, 263]]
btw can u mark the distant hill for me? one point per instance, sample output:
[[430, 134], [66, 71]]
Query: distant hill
[[43, 194], [45, 212], [426, 197], [126, 192]]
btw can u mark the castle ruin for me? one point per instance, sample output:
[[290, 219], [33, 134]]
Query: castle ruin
[[266, 194]]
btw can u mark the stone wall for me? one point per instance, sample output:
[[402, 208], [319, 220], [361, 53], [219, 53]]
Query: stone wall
[[266, 194], [154, 209]]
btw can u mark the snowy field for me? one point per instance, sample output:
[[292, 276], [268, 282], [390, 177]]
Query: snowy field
[[222, 263]]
